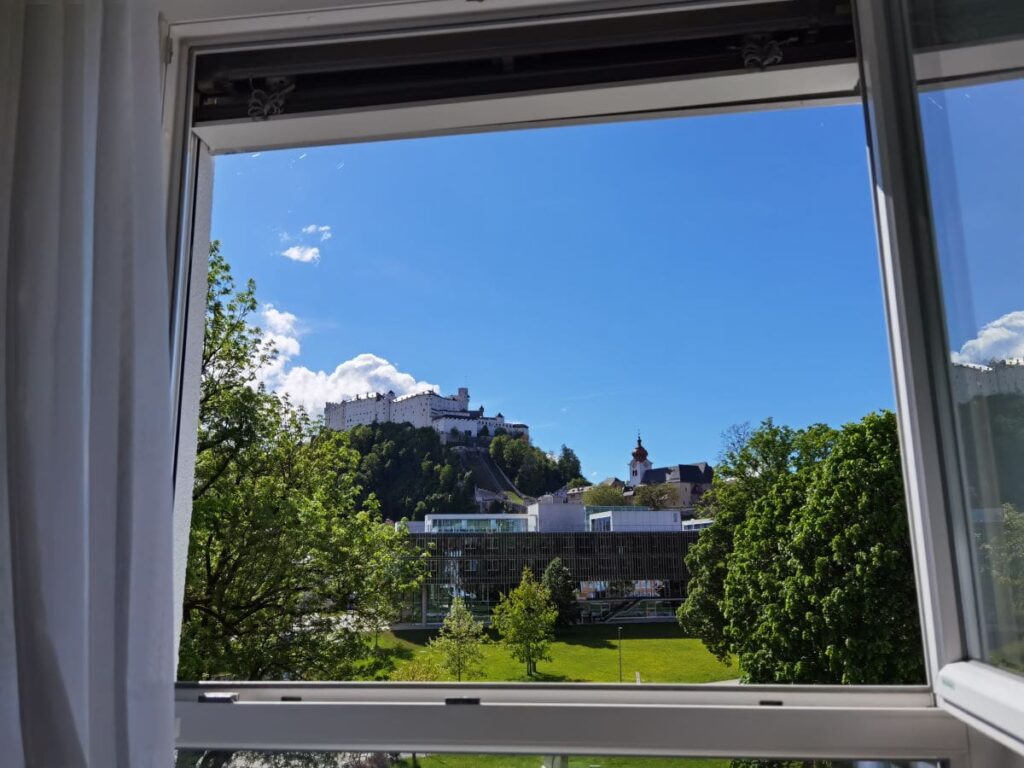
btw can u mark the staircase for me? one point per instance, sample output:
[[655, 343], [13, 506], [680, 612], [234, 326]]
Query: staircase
[[486, 474]]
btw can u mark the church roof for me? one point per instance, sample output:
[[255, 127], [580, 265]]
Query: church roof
[[639, 453], [701, 472]]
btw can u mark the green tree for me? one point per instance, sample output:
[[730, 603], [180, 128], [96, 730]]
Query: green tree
[[525, 619], [603, 496], [578, 482], [391, 568], [562, 587], [458, 643], [277, 581], [993, 476], [838, 603], [658, 496], [568, 465], [806, 576], [424, 668], [750, 462], [531, 470], [1001, 558]]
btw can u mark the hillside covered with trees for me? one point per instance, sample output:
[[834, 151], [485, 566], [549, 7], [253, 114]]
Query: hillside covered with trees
[[409, 471], [532, 470]]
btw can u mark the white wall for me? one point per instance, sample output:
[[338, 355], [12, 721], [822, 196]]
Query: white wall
[[977, 381], [624, 521], [558, 517]]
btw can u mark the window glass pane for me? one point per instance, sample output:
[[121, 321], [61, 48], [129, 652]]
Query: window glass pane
[[466, 333], [974, 142], [246, 759]]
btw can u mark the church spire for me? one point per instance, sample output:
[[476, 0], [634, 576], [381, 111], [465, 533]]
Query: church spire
[[639, 453]]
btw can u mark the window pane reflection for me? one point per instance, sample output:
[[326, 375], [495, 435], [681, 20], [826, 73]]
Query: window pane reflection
[[975, 157]]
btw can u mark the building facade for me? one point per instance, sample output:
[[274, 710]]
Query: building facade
[[1004, 377], [634, 576], [444, 414], [630, 518], [689, 482], [627, 562]]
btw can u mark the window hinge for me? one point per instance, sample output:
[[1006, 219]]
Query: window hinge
[[219, 697]]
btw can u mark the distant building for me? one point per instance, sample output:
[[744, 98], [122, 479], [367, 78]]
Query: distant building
[[476, 523], [628, 519], [559, 512], [1004, 377], [627, 562], [688, 481], [424, 409], [698, 524]]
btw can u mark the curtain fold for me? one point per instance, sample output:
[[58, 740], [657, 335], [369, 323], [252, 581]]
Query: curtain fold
[[86, 642]]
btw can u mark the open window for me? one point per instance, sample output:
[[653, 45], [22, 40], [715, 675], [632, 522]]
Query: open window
[[957, 90], [533, 90]]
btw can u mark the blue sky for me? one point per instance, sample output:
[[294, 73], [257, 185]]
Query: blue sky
[[669, 276], [976, 172]]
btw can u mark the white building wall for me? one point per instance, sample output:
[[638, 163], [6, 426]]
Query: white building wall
[[980, 381], [424, 409], [415, 409], [445, 424], [627, 520], [364, 410], [558, 516], [492, 423]]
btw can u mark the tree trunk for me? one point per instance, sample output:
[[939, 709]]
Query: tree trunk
[[215, 759]]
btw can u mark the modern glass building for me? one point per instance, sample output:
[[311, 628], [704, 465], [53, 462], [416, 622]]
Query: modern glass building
[[631, 576], [502, 523]]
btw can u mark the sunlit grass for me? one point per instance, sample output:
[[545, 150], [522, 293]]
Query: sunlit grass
[[659, 652]]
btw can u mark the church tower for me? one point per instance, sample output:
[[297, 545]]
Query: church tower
[[639, 465]]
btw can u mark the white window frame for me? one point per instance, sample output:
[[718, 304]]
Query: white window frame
[[729, 721], [989, 699]]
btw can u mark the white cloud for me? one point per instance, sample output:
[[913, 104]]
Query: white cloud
[[363, 373], [276, 321], [311, 389], [303, 253], [1002, 339], [324, 230]]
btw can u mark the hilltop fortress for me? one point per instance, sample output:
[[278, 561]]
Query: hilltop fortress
[[423, 409], [1000, 377]]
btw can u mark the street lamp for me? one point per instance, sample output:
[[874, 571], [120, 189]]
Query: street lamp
[[620, 654]]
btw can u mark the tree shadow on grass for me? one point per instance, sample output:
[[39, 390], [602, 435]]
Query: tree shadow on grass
[[547, 677], [414, 636], [397, 653], [586, 641], [607, 636]]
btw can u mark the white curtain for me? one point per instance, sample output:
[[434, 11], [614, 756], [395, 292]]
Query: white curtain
[[86, 664]]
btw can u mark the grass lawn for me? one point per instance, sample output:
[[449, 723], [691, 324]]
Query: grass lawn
[[589, 654], [533, 761]]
